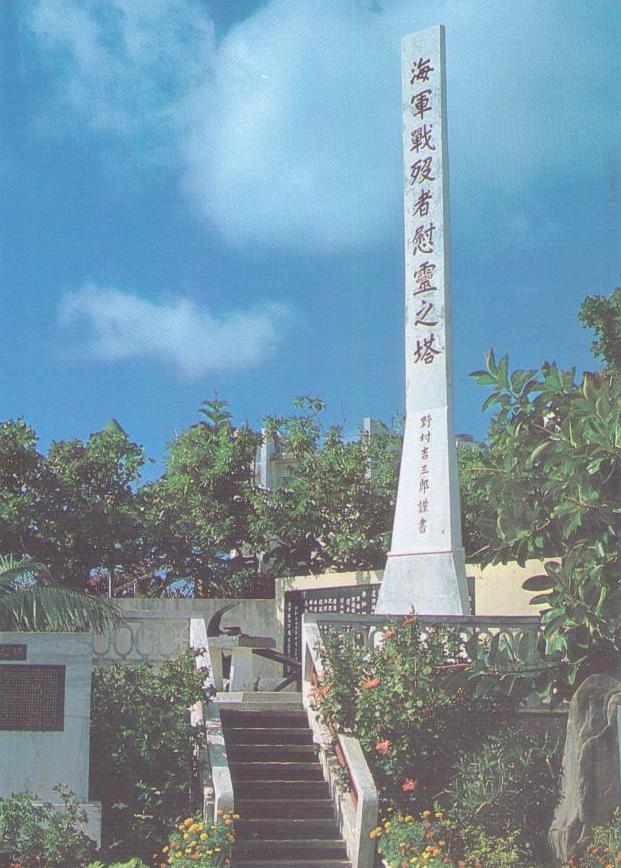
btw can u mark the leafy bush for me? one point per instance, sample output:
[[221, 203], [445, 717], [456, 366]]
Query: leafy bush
[[39, 835], [509, 782], [196, 844], [481, 850], [398, 701], [142, 743]]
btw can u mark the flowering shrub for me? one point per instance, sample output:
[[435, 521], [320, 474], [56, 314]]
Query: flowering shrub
[[398, 701], [194, 844], [403, 840], [481, 850], [133, 863]]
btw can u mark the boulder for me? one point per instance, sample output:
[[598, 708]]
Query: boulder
[[590, 788]]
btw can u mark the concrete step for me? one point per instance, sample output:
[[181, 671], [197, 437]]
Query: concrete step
[[265, 698], [290, 718], [298, 808], [275, 771], [283, 790], [286, 863], [271, 735], [292, 849], [275, 753], [286, 828]]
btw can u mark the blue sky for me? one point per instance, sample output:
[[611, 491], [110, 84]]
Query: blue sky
[[205, 198]]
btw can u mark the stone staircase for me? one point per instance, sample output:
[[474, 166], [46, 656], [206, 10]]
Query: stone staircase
[[286, 813]]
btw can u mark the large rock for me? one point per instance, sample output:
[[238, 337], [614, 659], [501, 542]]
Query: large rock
[[590, 789]]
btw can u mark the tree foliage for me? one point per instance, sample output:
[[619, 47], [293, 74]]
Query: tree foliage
[[334, 509], [553, 469], [205, 525], [197, 514], [72, 509], [603, 314]]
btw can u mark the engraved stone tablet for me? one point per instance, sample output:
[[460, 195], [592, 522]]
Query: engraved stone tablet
[[10, 651], [32, 697]]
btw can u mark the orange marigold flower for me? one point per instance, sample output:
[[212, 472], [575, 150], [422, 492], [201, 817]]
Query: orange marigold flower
[[383, 747], [370, 682], [408, 786]]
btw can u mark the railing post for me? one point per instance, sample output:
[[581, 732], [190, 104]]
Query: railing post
[[311, 658], [213, 761]]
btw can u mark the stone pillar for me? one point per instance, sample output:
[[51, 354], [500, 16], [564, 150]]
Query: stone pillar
[[425, 569]]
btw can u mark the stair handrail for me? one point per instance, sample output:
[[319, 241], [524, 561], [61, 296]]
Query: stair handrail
[[358, 816], [215, 773]]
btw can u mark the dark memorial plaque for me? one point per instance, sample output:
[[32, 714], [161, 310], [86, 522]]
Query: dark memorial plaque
[[32, 697], [12, 652]]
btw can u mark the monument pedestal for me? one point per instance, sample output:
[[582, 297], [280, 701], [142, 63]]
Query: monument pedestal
[[424, 583]]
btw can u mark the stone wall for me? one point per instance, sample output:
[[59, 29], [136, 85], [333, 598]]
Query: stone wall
[[159, 628]]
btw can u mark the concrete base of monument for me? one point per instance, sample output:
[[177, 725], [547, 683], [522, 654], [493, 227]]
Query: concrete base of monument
[[433, 583]]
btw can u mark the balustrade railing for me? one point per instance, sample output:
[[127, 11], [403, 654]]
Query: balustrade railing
[[365, 627], [144, 637]]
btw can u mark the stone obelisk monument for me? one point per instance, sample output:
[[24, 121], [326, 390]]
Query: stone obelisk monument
[[425, 569]]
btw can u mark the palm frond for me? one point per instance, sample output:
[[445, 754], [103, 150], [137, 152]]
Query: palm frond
[[14, 571], [57, 609], [27, 606]]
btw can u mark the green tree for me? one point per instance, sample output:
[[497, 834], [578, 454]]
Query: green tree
[[72, 510], [197, 514], [334, 509], [603, 314], [478, 513]]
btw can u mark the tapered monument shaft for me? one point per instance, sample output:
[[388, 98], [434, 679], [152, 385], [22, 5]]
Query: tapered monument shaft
[[425, 568]]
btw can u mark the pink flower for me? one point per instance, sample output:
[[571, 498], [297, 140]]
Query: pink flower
[[383, 747], [408, 786]]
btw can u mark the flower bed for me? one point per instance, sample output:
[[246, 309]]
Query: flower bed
[[195, 844]]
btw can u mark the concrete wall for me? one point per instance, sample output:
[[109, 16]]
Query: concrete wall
[[498, 589]]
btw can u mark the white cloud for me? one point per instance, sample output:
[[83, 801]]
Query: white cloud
[[287, 131], [113, 326], [126, 66]]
